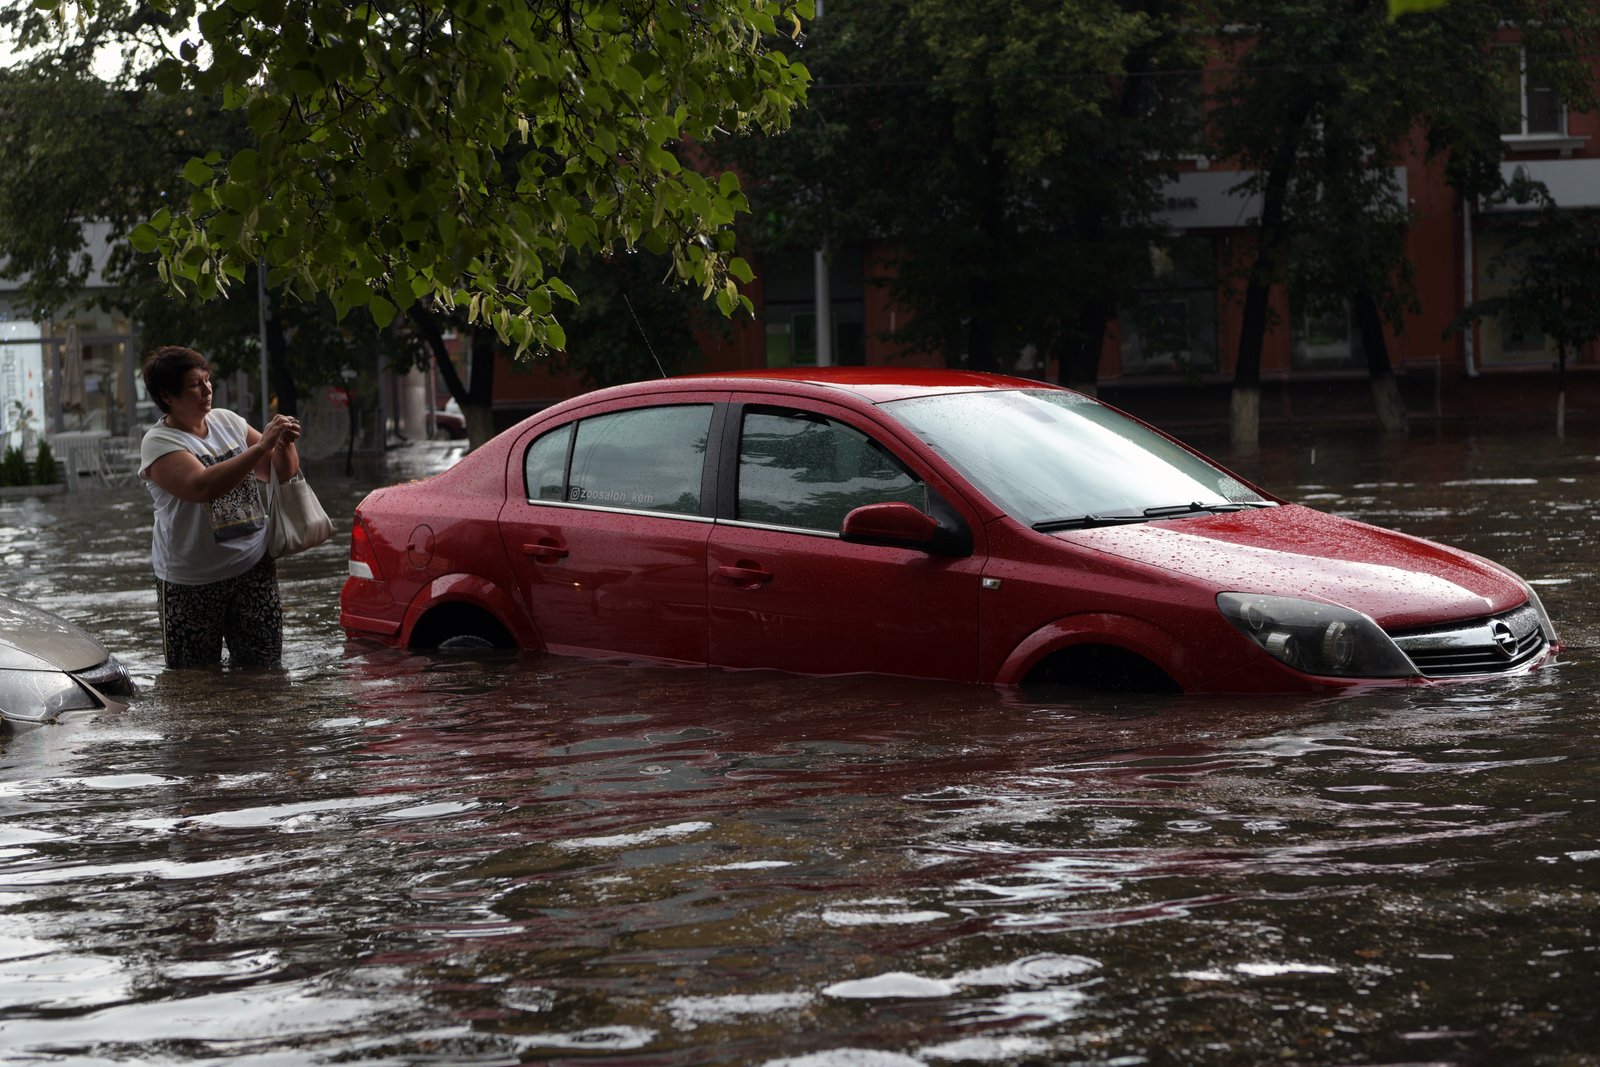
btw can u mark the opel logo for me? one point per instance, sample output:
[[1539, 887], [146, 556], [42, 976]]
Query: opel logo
[[1504, 639]]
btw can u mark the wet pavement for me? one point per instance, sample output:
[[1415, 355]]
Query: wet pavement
[[377, 858]]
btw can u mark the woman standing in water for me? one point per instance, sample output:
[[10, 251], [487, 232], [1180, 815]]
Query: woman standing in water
[[215, 583]]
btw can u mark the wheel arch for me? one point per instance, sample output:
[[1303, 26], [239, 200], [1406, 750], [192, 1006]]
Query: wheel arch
[[1080, 634], [462, 599]]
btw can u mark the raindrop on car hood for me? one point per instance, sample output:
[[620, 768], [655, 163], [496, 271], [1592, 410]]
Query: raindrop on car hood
[[28, 635], [1291, 550]]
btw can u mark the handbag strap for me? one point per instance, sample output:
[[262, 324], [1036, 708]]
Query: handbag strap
[[273, 480]]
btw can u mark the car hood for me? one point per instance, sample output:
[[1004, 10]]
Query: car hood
[[1289, 550], [31, 639]]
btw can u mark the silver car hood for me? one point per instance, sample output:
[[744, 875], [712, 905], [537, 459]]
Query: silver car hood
[[36, 640]]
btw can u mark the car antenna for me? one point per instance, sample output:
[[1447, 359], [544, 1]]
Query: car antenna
[[646, 336]]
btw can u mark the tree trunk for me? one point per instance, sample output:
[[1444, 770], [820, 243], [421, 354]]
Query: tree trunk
[[983, 330], [479, 406], [476, 396], [1391, 407], [1080, 350], [1561, 392], [1271, 245], [980, 339], [1244, 420], [278, 368]]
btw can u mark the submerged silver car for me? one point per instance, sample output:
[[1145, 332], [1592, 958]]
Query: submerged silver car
[[49, 666]]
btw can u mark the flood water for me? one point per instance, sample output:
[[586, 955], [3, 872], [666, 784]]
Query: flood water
[[378, 858]]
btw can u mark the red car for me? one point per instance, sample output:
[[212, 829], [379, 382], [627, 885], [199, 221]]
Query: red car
[[933, 524]]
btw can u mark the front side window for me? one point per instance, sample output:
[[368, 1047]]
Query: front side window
[[1048, 457], [803, 470], [647, 459]]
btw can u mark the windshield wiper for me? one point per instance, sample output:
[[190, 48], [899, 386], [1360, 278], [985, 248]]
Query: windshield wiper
[[1120, 518], [1079, 522], [1192, 508]]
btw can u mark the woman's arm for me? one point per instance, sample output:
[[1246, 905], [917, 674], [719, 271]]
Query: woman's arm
[[283, 456], [183, 475]]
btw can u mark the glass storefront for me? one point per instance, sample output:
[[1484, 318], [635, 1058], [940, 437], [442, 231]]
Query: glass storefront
[[75, 374]]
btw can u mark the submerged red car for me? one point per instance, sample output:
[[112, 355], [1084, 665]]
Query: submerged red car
[[934, 524]]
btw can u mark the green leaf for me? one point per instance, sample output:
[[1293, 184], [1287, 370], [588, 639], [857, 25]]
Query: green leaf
[[144, 237], [195, 172], [660, 159], [382, 311], [245, 165], [741, 270], [355, 293], [168, 76], [628, 79]]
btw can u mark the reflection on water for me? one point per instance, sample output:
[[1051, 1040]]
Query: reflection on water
[[374, 857]]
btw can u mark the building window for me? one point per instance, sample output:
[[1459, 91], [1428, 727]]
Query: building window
[[789, 289], [1171, 325], [1531, 106], [1323, 335], [1505, 339]]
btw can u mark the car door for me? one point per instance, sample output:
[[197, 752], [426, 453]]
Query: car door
[[786, 592], [609, 547]]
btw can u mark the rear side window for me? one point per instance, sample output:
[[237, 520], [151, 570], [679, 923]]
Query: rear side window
[[803, 470], [647, 459], [546, 465]]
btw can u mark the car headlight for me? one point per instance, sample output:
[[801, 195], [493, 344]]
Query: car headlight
[[1545, 624], [39, 696], [1316, 638]]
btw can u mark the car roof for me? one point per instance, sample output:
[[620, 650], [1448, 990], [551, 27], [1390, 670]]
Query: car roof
[[875, 385]]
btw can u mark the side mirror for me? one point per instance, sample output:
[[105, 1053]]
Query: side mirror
[[895, 524]]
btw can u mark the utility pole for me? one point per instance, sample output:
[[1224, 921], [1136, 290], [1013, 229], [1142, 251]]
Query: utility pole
[[824, 312]]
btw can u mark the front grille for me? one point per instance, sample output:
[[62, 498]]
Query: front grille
[[1492, 645]]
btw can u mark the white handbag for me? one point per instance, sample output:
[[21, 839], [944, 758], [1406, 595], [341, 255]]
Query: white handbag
[[295, 519]]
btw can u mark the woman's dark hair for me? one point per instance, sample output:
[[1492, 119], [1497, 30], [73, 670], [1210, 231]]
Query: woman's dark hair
[[164, 371]]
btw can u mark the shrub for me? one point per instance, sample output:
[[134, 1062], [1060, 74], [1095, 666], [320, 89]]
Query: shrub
[[44, 466], [13, 468]]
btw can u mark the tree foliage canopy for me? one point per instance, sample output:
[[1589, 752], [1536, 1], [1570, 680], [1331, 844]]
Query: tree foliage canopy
[[1336, 94], [456, 150], [1011, 154], [74, 149]]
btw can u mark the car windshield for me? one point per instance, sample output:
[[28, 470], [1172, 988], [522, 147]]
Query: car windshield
[[1059, 460]]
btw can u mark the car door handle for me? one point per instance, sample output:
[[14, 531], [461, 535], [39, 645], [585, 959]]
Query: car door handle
[[747, 574], [545, 551]]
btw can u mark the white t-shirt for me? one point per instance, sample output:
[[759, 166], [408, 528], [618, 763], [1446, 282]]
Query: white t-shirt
[[196, 543]]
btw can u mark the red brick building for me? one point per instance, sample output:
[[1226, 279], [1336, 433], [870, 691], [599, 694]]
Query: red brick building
[[1312, 365]]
